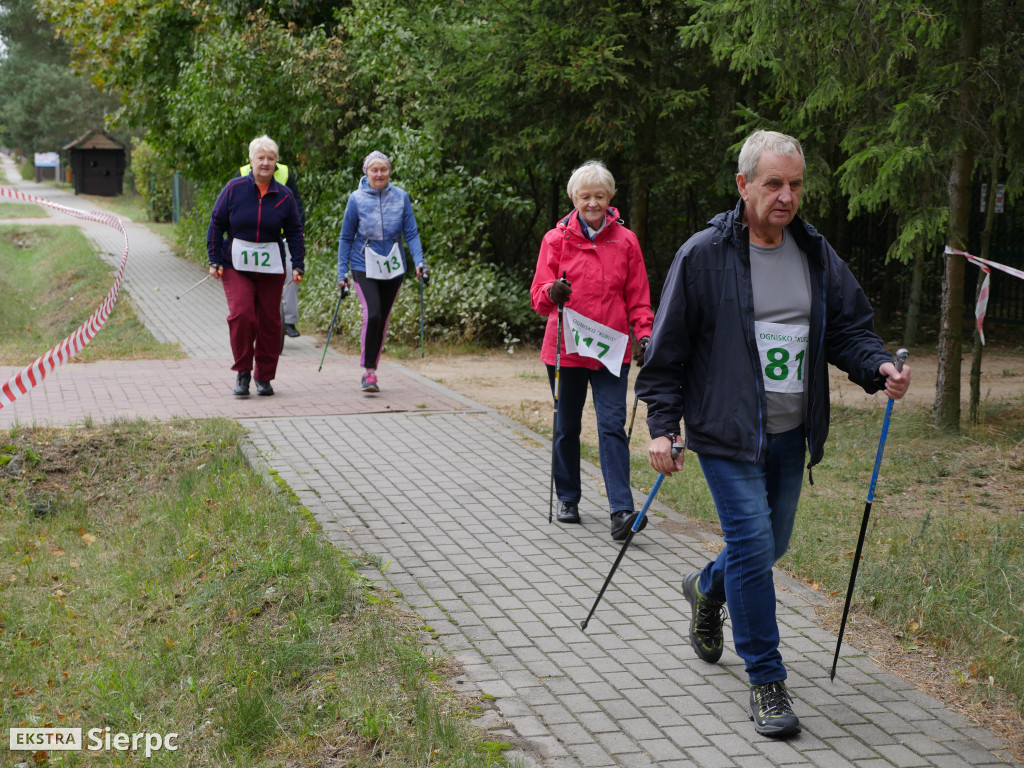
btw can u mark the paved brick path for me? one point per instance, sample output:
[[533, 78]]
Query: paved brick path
[[452, 497]]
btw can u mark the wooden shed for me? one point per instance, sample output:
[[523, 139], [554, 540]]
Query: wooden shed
[[97, 164]]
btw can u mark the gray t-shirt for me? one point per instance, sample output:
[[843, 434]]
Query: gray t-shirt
[[782, 317]]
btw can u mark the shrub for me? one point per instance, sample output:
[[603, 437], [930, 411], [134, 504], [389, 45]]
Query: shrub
[[468, 299], [153, 180]]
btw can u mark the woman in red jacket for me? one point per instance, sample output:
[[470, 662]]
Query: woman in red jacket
[[592, 265]]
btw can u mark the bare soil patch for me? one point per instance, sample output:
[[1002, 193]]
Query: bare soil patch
[[517, 384]]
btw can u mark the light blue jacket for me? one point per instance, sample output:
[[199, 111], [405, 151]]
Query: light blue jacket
[[377, 218]]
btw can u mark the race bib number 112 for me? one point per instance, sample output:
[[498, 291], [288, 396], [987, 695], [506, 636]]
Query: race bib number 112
[[256, 257]]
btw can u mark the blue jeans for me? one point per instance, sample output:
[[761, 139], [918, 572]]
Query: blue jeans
[[756, 505], [610, 404]]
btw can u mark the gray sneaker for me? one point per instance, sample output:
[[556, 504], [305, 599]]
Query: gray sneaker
[[771, 709], [706, 621]]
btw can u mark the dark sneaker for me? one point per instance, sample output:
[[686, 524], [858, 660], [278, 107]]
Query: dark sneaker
[[568, 512], [263, 388], [242, 383], [291, 331], [369, 383], [622, 521], [706, 621], [771, 709]]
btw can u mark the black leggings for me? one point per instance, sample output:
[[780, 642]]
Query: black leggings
[[377, 297]]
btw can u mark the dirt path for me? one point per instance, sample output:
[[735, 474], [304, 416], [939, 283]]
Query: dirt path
[[517, 384]]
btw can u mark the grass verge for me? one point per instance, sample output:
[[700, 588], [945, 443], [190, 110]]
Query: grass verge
[[132, 207], [149, 583], [52, 281], [21, 211]]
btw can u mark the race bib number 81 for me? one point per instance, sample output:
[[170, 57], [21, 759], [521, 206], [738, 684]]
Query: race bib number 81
[[782, 349]]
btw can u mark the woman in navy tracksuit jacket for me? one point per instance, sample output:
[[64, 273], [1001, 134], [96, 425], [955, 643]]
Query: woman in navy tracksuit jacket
[[244, 246]]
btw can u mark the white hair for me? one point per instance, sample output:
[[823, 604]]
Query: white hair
[[592, 173], [766, 141], [264, 143]]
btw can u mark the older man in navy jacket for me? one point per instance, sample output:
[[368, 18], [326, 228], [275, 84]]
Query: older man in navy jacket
[[753, 310]]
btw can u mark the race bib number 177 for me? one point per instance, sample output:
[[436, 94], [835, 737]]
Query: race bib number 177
[[782, 349]]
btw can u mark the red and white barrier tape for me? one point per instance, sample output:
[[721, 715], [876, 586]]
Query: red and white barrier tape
[[985, 266], [32, 375]]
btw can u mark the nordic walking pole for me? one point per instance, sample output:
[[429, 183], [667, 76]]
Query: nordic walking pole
[[676, 450], [636, 400], [424, 282], [901, 357], [554, 425], [341, 295], [629, 433], [221, 270]]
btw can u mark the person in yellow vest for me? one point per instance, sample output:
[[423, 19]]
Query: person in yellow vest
[[285, 175]]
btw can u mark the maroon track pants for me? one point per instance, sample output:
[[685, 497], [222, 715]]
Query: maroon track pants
[[254, 321]]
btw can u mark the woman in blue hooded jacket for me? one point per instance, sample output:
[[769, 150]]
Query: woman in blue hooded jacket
[[378, 214]]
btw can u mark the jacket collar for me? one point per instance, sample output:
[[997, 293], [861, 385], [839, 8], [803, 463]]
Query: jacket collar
[[364, 186], [730, 225], [571, 223], [273, 187]]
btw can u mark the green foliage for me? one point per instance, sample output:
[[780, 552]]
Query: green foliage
[[133, 48], [880, 81], [44, 105], [467, 299], [256, 79], [154, 180], [510, 97]]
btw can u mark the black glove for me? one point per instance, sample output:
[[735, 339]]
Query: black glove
[[560, 291], [641, 350]]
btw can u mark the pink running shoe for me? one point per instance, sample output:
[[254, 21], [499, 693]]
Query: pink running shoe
[[370, 382]]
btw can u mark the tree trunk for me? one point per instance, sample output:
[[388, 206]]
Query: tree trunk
[[914, 305], [986, 243], [950, 353]]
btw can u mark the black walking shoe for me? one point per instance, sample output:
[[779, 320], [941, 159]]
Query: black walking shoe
[[242, 383], [291, 331], [706, 621], [771, 709], [622, 521], [568, 512], [263, 388]]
